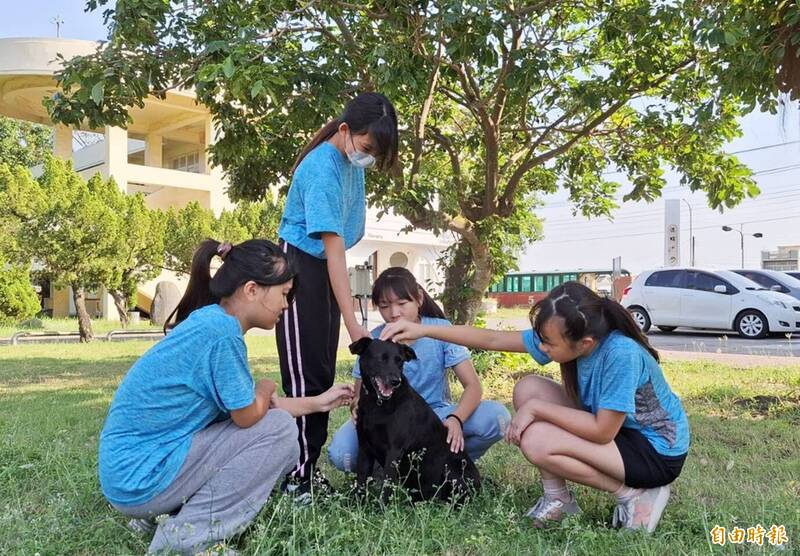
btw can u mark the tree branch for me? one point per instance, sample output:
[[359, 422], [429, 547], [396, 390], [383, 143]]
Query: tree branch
[[423, 117]]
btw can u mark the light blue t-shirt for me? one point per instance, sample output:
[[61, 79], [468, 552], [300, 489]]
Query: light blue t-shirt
[[427, 374], [326, 195], [195, 376], [620, 375]]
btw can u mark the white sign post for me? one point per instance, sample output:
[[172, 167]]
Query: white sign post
[[672, 232]]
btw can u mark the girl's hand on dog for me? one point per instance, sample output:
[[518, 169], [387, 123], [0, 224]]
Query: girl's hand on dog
[[521, 421], [337, 396], [401, 330], [455, 436]]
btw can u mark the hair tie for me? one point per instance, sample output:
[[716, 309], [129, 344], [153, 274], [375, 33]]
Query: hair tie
[[223, 249]]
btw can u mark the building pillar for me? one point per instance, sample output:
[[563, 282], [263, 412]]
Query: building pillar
[[62, 142], [219, 200], [116, 157], [154, 151]]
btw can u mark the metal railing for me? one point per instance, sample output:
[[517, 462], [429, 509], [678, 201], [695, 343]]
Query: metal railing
[[27, 337]]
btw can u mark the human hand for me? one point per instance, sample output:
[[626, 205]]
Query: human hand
[[266, 388], [402, 330], [357, 331], [521, 421], [336, 396], [455, 435]]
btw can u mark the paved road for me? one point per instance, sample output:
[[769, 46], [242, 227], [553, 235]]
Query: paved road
[[698, 341], [716, 342]]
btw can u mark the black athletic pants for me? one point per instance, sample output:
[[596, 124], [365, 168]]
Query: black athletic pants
[[308, 336]]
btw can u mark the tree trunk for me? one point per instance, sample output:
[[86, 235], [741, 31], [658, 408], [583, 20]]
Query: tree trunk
[[467, 278], [121, 303], [84, 321]]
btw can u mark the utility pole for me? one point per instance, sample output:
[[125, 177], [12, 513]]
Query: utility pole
[[740, 231], [58, 22]]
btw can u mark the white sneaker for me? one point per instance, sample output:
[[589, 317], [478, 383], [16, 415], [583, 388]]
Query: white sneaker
[[142, 526], [643, 511], [551, 510]]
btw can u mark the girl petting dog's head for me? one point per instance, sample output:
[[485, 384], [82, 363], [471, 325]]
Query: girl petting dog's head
[[398, 296], [254, 283], [572, 320]]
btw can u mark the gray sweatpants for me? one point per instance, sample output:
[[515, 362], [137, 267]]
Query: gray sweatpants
[[227, 477]]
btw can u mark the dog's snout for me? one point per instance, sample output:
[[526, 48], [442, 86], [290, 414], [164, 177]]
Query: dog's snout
[[395, 382]]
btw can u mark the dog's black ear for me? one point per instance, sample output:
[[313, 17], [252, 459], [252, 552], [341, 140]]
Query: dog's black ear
[[359, 346], [408, 353]]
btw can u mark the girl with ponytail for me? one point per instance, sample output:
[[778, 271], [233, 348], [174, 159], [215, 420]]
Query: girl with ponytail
[[189, 432], [612, 424], [472, 424], [325, 215]]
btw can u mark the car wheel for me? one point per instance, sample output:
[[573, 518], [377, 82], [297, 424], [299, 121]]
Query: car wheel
[[752, 324], [641, 318], [667, 328]]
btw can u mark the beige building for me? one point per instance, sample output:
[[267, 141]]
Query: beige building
[[163, 155], [786, 257]]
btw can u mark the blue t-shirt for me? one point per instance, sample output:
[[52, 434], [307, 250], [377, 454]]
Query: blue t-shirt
[[427, 374], [326, 195], [190, 379], [620, 375]]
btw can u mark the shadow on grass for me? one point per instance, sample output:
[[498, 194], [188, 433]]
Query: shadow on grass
[[732, 401]]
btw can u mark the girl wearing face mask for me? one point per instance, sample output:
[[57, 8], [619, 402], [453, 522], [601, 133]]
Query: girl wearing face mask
[[325, 215], [189, 433]]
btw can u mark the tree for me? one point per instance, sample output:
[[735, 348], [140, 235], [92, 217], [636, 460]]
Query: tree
[[65, 226], [24, 143], [142, 239], [18, 301], [758, 49], [185, 228], [192, 224], [500, 102]]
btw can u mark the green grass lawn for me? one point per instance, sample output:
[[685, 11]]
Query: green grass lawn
[[71, 325], [743, 470]]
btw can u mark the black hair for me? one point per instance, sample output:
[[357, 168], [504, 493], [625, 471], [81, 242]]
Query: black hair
[[257, 260], [367, 113], [585, 314], [401, 282]]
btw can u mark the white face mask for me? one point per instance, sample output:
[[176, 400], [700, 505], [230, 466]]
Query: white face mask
[[358, 158]]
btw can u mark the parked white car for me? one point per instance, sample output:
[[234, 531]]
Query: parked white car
[[718, 300], [773, 280]]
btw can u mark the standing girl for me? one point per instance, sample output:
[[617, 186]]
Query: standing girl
[[188, 432], [613, 424], [325, 215], [472, 424]]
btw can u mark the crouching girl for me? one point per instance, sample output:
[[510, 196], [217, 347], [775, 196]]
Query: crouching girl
[[189, 433]]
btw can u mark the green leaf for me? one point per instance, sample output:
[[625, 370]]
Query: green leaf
[[97, 93], [257, 87], [227, 67]]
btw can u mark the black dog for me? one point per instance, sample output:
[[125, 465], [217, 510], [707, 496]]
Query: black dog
[[399, 431]]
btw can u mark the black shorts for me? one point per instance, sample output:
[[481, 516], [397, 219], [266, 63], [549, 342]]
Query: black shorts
[[644, 467]]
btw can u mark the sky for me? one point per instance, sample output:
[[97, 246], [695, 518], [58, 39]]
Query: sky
[[770, 146]]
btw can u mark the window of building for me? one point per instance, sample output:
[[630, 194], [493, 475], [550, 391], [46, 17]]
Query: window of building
[[526, 283], [189, 162]]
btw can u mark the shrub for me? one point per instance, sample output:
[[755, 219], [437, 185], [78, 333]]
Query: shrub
[[18, 300]]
